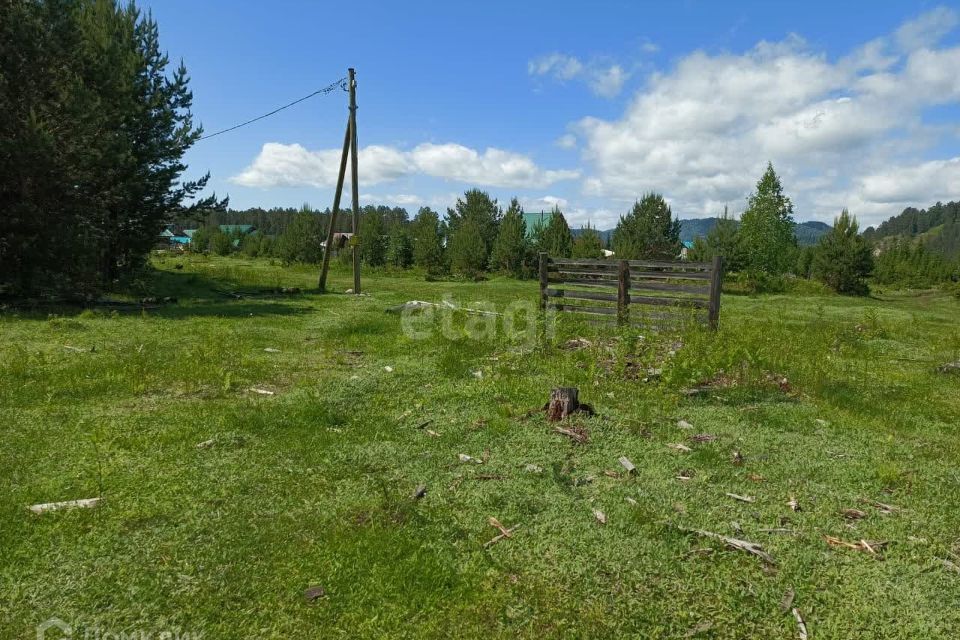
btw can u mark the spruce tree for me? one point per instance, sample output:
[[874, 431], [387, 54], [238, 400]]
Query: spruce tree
[[556, 239], [766, 228], [648, 232], [843, 259], [511, 249], [588, 244]]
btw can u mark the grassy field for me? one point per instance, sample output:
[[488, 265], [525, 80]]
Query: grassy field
[[312, 486]]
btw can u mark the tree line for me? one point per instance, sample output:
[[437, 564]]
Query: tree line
[[94, 123]]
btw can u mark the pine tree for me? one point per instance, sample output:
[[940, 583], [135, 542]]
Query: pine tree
[[427, 239], [843, 259], [766, 228], [478, 208], [648, 231], [468, 255], [511, 249], [556, 240], [92, 136], [399, 249], [302, 241], [373, 239], [588, 244]]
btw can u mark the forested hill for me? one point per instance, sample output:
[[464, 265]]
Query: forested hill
[[938, 228], [807, 232]]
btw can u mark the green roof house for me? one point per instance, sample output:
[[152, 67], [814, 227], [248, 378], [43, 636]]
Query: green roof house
[[534, 219]]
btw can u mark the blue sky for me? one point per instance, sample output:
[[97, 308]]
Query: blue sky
[[585, 105]]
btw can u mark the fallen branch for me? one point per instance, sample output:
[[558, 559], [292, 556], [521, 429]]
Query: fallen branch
[[743, 545], [741, 498], [263, 392], [504, 532], [861, 545], [626, 464], [680, 447], [86, 503], [886, 509], [578, 435], [801, 625]]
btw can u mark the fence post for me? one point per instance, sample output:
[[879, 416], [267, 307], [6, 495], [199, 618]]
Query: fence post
[[623, 293], [544, 259], [716, 280]]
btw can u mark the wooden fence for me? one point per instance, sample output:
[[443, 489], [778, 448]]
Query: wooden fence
[[609, 289]]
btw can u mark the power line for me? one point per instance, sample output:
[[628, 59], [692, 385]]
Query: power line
[[327, 89]]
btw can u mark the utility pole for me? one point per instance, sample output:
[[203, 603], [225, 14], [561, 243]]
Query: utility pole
[[353, 179], [333, 212], [349, 145]]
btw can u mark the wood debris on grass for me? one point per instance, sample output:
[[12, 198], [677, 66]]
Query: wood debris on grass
[[432, 433], [85, 503], [702, 437], [262, 392], [504, 532], [272, 350], [870, 547], [680, 447], [793, 504], [465, 459], [600, 516], [312, 594], [755, 477], [952, 566], [801, 625], [885, 509], [683, 424], [626, 464], [853, 514], [632, 502], [388, 369], [206, 444], [533, 468], [743, 545], [786, 603], [577, 434], [736, 458], [741, 498]]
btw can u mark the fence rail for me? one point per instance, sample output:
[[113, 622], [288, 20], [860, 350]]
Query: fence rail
[[604, 288]]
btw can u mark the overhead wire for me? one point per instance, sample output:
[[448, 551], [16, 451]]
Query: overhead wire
[[342, 83]]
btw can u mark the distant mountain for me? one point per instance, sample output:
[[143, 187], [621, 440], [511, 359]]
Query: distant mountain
[[807, 233]]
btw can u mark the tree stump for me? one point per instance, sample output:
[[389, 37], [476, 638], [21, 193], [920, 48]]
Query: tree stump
[[564, 401]]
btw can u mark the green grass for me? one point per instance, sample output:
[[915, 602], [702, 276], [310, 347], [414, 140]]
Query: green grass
[[312, 486]]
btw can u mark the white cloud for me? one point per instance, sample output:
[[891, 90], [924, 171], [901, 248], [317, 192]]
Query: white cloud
[[544, 203], [291, 165], [567, 141], [919, 184], [608, 83], [558, 65], [702, 132], [605, 80], [927, 29]]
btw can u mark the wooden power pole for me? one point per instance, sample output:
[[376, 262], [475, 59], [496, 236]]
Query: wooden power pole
[[353, 180], [349, 146]]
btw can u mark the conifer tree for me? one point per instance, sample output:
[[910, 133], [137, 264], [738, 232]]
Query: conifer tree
[[648, 231], [511, 249]]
